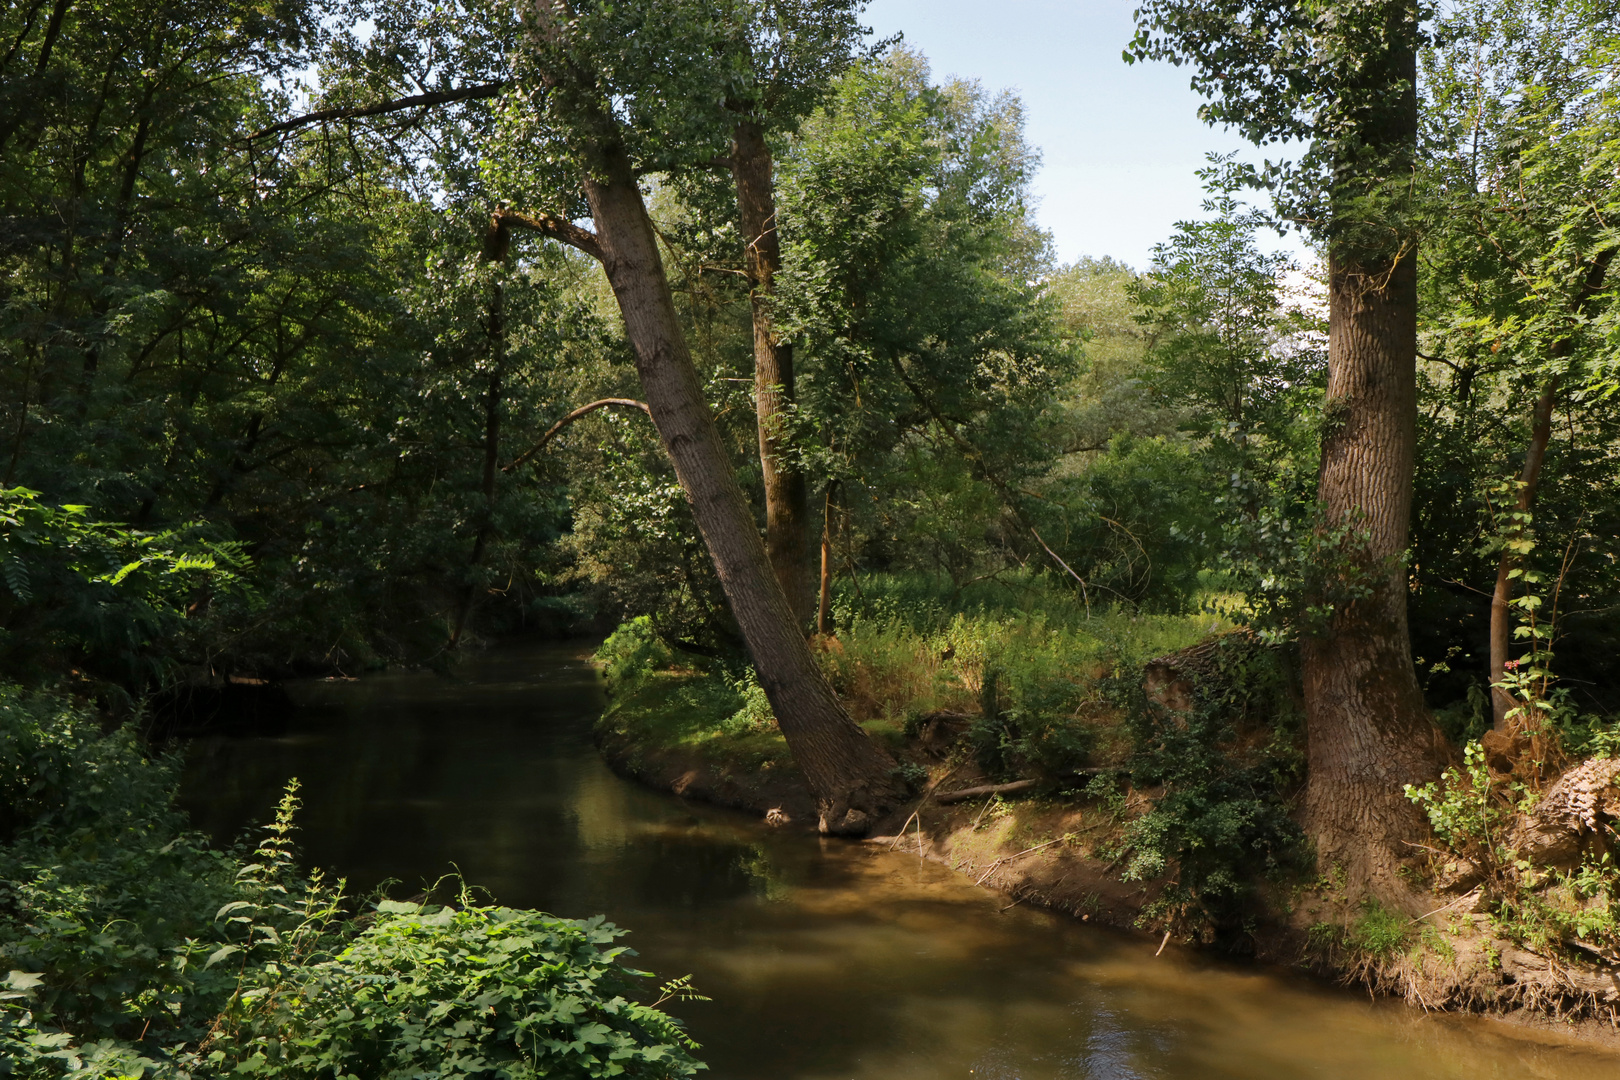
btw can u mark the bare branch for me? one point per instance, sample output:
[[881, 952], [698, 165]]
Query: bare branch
[[583, 410], [355, 112]]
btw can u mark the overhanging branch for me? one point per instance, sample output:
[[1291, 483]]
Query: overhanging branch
[[555, 227], [355, 112], [583, 410]]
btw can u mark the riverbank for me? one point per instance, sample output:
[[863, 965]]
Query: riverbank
[[1075, 843]]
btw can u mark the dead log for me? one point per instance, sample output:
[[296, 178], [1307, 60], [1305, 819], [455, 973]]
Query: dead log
[[985, 789]]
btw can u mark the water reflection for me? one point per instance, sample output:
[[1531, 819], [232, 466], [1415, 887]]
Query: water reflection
[[825, 960]]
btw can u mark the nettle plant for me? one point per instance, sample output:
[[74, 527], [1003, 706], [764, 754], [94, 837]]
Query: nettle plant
[[1474, 811], [1527, 681]]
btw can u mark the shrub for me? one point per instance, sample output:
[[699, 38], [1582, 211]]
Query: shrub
[[1224, 770], [106, 898], [631, 653], [136, 949], [468, 990]]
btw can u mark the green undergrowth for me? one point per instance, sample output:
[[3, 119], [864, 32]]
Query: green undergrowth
[[1200, 792], [1563, 899], [1042, 695], [1222, 773], [134, 948]]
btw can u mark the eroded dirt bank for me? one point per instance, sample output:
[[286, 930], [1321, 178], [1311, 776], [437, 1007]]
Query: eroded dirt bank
[[1040, 845]]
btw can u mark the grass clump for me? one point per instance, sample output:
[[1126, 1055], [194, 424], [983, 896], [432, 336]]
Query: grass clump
[[661, 700]]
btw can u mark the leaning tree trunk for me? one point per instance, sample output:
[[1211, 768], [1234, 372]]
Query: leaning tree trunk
[[1368, 732], [852, 779], [787, 503], [1502, 702], [1529, 479]]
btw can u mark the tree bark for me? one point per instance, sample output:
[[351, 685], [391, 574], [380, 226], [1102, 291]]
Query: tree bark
[[824, 624], [853, 780], [1368, 732], [1529, 478], [497, 242], [787, 501]]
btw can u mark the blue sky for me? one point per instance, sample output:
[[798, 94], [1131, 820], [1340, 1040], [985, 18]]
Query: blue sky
[[1121, 143]]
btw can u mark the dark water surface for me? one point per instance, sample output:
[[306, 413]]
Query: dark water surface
[[825, 960]]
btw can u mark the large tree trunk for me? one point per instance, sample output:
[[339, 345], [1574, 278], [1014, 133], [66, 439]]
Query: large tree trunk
[[787, 505], [1367, 729], [852, 779]]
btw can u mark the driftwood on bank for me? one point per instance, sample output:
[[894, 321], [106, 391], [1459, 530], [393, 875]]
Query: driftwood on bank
[[1005, 789], [984, 789]]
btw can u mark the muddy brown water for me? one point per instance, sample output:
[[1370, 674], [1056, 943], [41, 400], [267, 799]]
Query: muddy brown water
[[825, 960]]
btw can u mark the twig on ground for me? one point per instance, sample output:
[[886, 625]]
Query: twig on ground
[[1020, 855], [1470, 895], [901, 834], [982, 809]]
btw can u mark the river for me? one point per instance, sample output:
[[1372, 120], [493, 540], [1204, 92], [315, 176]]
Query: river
[[824, 960]]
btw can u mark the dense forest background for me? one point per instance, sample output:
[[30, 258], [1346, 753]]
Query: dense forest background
[[342, 336], [299, 350]]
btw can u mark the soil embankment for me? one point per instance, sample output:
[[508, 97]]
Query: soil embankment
[[1062, 850]]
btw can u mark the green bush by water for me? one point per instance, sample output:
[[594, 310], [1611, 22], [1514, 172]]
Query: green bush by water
[[1223, 772], [136, 949]]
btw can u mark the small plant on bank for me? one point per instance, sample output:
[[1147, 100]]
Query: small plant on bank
[[1224, 770], [1378, 932]]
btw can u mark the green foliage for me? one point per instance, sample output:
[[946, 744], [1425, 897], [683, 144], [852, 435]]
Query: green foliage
[[926, 356], [136, 949], [115, 602], [1468, 810], [457, 990], [1222, 774], [1518, 305], [1334, 77], [708, 699], [1043, 688], [108, 900], [1474, 814]]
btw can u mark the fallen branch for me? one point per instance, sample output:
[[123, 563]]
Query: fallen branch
[[1020, 855], [901, 835], [583, 410], [1470, 895], [985, 789], [1007, 788]]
